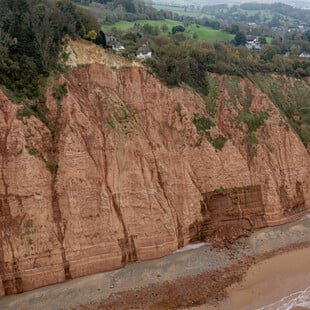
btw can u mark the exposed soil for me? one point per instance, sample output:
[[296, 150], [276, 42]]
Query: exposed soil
[[118, 170]]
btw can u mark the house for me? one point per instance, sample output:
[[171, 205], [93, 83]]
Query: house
[[304, 55], [253, 45], [144, 52], [253, 25], [117, 47], [114, 44], [108, 39], [250, 38], [293, 29]]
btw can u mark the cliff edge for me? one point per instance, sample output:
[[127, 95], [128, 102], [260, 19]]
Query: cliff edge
[[120, 168]]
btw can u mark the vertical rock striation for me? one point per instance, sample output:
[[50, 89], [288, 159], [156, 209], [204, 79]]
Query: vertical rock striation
[[125, 175]]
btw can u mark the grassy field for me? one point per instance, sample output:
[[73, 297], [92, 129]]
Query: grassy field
[[263, 14], [179, 10], [203, 33], [209, 34], [124, 25], [197, 13]]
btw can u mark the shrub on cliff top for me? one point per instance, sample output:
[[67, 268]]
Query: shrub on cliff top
[[202, 123]]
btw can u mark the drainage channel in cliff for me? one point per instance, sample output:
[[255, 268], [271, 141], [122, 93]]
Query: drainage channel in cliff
[[57, 217], [52, 164], [127, 243]]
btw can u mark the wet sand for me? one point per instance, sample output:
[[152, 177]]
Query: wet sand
[[271, 280]]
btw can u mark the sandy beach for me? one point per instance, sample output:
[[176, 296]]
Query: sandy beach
[[197, 275], [270, 280]]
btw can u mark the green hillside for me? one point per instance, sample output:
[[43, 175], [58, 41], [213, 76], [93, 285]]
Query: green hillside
[[292, 99], [203, 33]]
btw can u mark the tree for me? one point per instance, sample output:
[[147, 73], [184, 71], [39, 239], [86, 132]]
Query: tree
[[31, 33], [164, 28], [101, 39], [178, 28], [306, 35], [275, 21], [92, 35], [149, 29], [235, 29], [240, 38], [262, 40], [268, 52]]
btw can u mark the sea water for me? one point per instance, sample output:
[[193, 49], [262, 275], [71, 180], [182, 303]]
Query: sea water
[[294, 300]]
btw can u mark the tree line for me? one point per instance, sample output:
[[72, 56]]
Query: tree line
[[109, 12], [179, 59], [274, 14]]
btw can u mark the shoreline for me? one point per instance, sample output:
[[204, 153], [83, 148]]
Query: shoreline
[[184, 279], [271, 280], [205, 291]]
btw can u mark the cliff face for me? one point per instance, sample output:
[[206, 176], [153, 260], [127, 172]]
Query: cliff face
[[125, 169]]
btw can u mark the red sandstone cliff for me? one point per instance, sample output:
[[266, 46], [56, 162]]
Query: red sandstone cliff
[[124, 175]]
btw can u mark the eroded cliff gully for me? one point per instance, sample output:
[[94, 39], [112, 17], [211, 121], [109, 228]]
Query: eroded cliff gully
[[123, 174]]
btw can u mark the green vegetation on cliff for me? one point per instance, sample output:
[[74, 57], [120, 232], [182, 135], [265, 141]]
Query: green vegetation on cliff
[[291, 96], [31, 33], [31, 38], [174, 54]]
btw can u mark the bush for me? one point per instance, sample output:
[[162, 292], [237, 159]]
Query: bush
[[59, 91], [219, 142], [253, 121], [202, 124], [178, 28], [220, 190]]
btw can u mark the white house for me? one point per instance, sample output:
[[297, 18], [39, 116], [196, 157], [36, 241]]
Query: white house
[[253, 45], [304, 55], [144, 52], [117, 47]]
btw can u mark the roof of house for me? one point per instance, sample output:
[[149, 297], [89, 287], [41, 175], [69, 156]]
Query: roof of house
[[250, 38], [118, 45], [144, 49]]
